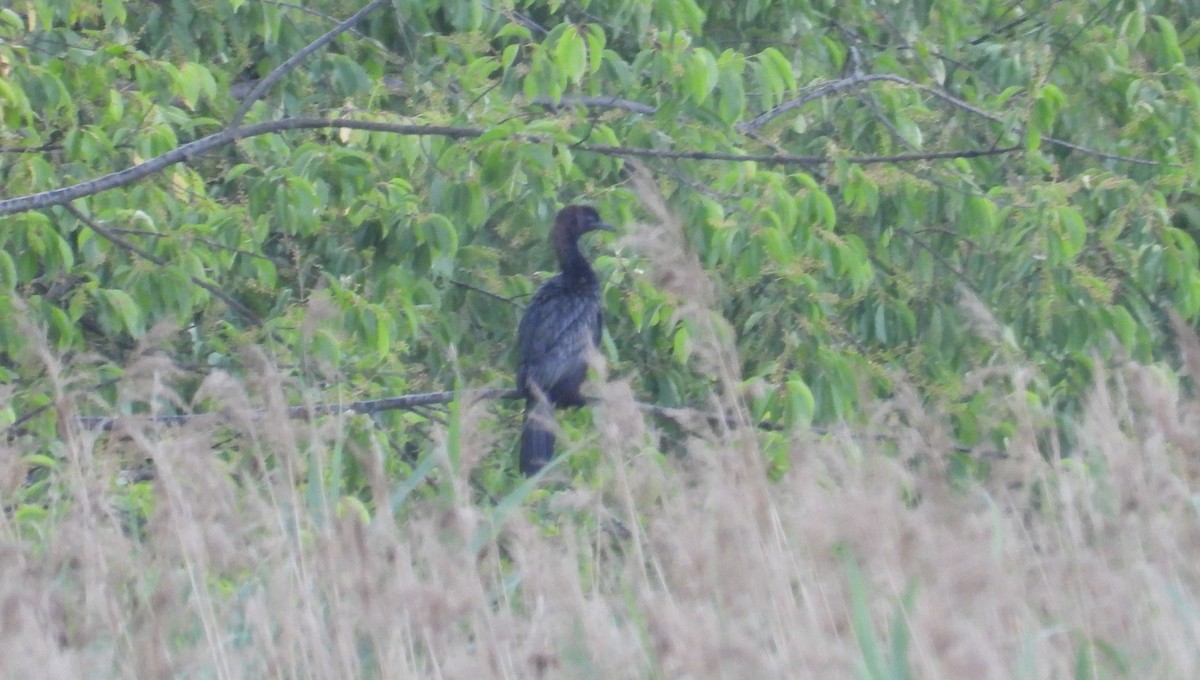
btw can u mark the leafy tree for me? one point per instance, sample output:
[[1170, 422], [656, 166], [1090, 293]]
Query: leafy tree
[[878, 192]]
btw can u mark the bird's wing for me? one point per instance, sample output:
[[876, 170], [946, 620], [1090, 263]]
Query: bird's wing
[[555, 335]]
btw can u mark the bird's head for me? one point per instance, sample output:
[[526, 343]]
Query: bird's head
[[574, 221]]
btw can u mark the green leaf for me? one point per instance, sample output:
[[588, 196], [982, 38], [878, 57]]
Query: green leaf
[[980, 215], [509, 56], [778, 245], [909, 131], [780, 66], [28, 512], [8, 271], [1073, 231], [701, 75], [596, 44], [822, 208], [681, 344], [1133, 26], [378, 324], [113, 11], [514, 29], [1053, 96], [126, 310], [1168, 42], [11, 18], [1043, 115], [731, 102], [1003, 97], [40, 460], [570, 54], [1033, 140], [801, 403]]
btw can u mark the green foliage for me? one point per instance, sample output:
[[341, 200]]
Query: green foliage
[[878, 664], [839, 278]]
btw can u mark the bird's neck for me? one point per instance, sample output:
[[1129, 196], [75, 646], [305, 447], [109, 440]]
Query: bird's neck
[[573, 264]]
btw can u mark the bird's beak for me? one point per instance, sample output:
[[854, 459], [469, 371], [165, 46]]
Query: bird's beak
[[605, 226]]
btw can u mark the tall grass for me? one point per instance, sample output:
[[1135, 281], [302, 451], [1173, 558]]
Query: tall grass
[[857, 563]]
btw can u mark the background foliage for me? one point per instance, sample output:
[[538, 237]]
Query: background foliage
[[1044, 211]]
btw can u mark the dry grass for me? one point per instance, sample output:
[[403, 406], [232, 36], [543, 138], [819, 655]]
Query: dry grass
[[671, 568], [863, 561]]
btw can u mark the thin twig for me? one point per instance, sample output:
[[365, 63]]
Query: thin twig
[[334, 20], [204, 145], [816, 93], [405, 402], [857, 80], [522, 19], [413, 402], [233, 304], [481, 291], [788, 159], [1003, 29], [294, 60], [48, 146], [602, 102], [208, 242]]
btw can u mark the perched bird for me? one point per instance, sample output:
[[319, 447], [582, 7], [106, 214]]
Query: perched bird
[[559, 328]]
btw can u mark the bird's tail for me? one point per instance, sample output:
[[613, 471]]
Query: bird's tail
[[537, 437]]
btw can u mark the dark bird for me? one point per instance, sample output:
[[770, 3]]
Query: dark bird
[[559, 328]]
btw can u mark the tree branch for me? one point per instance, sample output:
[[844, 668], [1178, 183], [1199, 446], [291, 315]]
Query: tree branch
[[321, 15], [294, 60], [788, 159], [858, 80], [816, 93], [410, 402], [495, 296], [206, 241], [595, 103], [201, 146], [405, 402]]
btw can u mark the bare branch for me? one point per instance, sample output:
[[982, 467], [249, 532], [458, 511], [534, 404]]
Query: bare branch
[[858, 80], [411, 402], [603, 102], [206, 241], [48, 146], [405, 402], [202, 146], [1002, 29], [481, 291], [787, 159], [816, 93], [308, 10], [522, 19], [283, 69]]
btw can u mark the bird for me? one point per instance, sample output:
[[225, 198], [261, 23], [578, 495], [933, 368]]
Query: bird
[[557, 331]]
